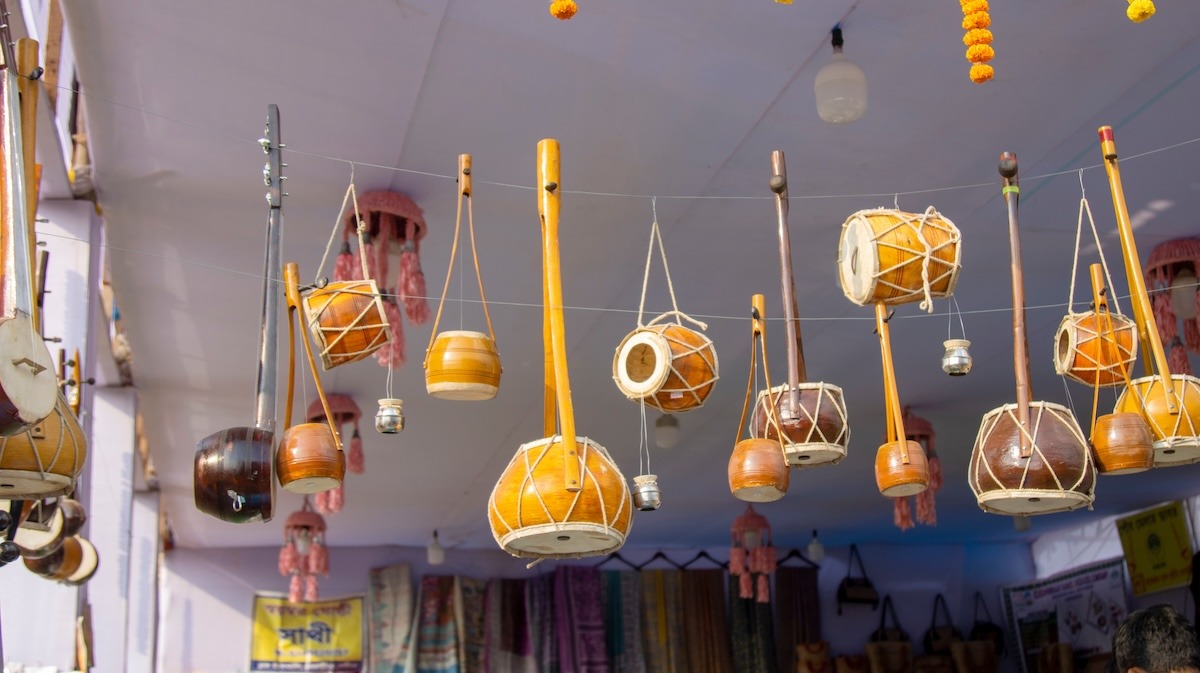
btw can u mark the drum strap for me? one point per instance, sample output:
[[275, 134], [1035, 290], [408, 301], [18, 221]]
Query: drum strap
[[656, 237], [351, 197], [1084, 207], [758, 335]]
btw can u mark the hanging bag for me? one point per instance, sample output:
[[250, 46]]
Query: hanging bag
[[856, 589], [986, 629], [889, 634], [938, 638]]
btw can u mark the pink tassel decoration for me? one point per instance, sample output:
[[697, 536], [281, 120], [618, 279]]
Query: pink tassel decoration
[[902, 514], [764, 589], [295, 587], [343, 269], [1164, 314], [769, 559], [746, 586], [371, 266], [322, 502], [310, 589], [356, 461], [392, 355], [288, 559], [1191, 335], [737, 560], [411, 284], [337, 498], [318, 560], [1177, 359]]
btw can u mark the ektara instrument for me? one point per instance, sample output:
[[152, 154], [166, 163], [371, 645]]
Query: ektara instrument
[[757, 469], [1029, 457], [901, 466], [561, 496], [1170, 403], [894, 257]]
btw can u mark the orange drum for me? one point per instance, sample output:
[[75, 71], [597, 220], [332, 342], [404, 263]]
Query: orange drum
[[1057, 476], [757, 471], [901, 469], [1175, 434], [671, 367], [347, 321], [1122, 444], [462, 365], [44, 460], [895, 257], [309, 460], [817, 433], [532, 514], [1086, 350]]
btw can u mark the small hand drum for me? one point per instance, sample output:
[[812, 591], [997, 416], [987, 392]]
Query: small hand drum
[[757, 471], [462, 365], [347, 321], [1175, 440], [44, 460], [1085, 349], [895, 257], [816, 433], [671, 367]]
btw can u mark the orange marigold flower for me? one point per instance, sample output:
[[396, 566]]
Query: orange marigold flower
[[972, 6], [563, 9], [976, 20], [977, 36], [981, 72], [980, 53]]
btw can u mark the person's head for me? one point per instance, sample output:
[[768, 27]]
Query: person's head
[[1156, 640]]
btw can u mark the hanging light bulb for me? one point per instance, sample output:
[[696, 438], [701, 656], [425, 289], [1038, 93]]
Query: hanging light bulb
[[666, 432], [841, 87], [303, 541], [1183, 294], [1021, 523], [816, 550], [435, 554]]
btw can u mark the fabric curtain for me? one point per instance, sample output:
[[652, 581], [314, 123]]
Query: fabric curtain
[[540, 599], [437, 630], [389, 617], [752, 632], [579, 618], [623, 621], [662, 624], [469, 597], [797, 613], [705, 622], [509, 641]]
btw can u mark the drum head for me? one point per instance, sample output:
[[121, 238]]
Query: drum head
[[27, 371], [642, 364], [41, 533], [562, 540], [858, 262], [88, 563], [1024, 502]]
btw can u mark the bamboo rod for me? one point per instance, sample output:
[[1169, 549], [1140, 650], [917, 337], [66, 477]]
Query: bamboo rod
[[1011, 189], [796, 371], [891, 392]]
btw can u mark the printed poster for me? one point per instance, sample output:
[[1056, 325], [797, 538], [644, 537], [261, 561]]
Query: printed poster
[[320, 636], [1081, 607], [1158, 549]]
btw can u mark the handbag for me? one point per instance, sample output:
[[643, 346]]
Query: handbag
[[889, 634], [856, 589], [933, 663], [974, 656], [938, 638], [890, 657], [987, 629]]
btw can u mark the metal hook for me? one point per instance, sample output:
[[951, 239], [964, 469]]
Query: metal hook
[[896, 200], [238, 500], [1082, 190]]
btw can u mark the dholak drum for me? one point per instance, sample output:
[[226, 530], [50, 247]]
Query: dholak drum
[[532, 514], [89, 562], [672, 367], [347, 320], [44, 460], [1056, 477], [897, 477], [1082, 354], [47, 526], [757, 471], [815, 434], [74, 562], [895, 257], [1175, 440], [1123, 444], [308, 459], [232, 475], [462, 365]]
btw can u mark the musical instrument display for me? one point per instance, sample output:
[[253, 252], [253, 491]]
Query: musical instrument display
[[757, 469], [901, 466], [895, 257]]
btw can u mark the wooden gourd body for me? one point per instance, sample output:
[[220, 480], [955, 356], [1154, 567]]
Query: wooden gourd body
[[44, 460], [897, 478], [1057, 476], [757, 471], [815, 433], [232, 471], [463, 365], [1122, 444], [1085, 349], [347, 321], [882, 253], [669, 366], [532, 514], [74, 562], [61, 520], [308, 459], [1175, 440]]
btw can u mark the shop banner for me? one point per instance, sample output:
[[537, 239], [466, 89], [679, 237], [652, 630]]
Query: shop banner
[[1158, 549], [1081, 607], [319, 636]]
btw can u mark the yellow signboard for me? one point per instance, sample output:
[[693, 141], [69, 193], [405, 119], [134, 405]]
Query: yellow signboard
[[318, 636], [1158, 549]]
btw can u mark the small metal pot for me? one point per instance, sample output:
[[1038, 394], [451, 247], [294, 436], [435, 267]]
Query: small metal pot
[[646, 493], [957, 360], [390, 418]]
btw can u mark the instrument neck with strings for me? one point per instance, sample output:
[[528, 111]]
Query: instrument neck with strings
[[1011, 191], [795, 349]]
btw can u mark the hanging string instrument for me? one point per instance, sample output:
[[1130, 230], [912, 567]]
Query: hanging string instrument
[[809, 417], [901, 466], [561, 496], [1029, 457], [1170, 403], [463, 364], [757, 469], [232, 470]]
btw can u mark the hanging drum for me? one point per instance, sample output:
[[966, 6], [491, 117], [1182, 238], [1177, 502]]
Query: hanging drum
[[1170, 403], [47, 525], [895, 257], [44, 460], [462, 364], [901, 466], [757, 470], [561, 496], [74, 562], [809, 417], [1029, 457]]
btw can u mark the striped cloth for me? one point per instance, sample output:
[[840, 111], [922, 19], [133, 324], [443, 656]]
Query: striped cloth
[[509, 642], [579, 619], [437, 630], [662, 622], [623, 621], [752, 632], [389, 617], [472, 631], [539, 593], [705, 624]]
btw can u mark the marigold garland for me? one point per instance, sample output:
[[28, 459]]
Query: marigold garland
[[1140, 10], [563, 9], [977, 36], [979, 39], [981, 72], [980, 53], [976, 20], [974, 6]]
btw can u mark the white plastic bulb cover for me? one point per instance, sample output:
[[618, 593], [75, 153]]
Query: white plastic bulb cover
[[1183, 295], [841, 90], [303, 541], [816, 550], [435, 554], [666, 432]]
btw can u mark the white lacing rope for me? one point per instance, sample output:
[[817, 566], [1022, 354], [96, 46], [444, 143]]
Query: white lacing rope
[[1084, 206], [656, 236]]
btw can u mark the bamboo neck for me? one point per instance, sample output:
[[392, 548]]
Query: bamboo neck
[[795, 347], [1012, 195], [27, 63], [291, 276], [891, 392]]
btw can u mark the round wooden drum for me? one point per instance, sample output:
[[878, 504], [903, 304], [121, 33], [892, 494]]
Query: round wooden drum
[[897, 478], [44, 460], [1056, 477], [74, 561], [757, 471], [532, 514], [89, 562], [44, 531], [1122, 444], [1081, 353], [815, 434], [895, 257], [669, 366], [1175, 440], [232, 475], [308, 459], [462, 365], [347, 321]]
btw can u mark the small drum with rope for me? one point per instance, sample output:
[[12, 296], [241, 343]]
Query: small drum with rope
[[757, 470], [47, 525], [73, 563], [895, 257], [44, 460]]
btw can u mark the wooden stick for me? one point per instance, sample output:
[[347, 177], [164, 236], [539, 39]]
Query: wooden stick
[[795, 348], [1012, 197], [891, 392], [1140, 298], [27, 63], [549, 203], [758, 316], [291, 277]]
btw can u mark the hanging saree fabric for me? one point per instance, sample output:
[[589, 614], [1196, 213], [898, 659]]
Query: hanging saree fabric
[[752, 632], [472, 632], [662, 622], [623, 621], [705, 621], [579, 619], [540, 599], [436, 646], [509, 641], [389, 617], [797, 612]]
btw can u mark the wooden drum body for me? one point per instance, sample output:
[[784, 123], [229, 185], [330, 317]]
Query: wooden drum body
[[532, 514], [347, 321], [757, 471], [308, 459], [74, 562], [897, 478], [669, 366], [462, 365], [44, 460], [55, 523], [1056, 477], [817, 433], [232, 475], [1175, 440], [886, 256], [1123, 444], [1085, 349]]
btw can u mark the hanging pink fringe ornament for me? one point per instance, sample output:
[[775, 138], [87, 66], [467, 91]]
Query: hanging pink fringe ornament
[[318, 559], [411, 282], [1171, 270], [310, 589], [356, 462], [322, 502], [296, 589], [289, 559], [392, 354], [304, 524], [752, 556], [337, 497], [919, 430], [343, 268], [902, 514]]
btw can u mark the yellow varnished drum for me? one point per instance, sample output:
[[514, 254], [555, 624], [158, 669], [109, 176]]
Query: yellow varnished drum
[[44, 460], [895, 257], [347, 321], [815, 433], [901, 469], [462, 365], [532, 514], [671, 367], [1175, 440], [1085, 349]]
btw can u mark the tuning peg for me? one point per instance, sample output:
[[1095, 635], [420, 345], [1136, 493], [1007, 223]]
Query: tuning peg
[[9, 552]]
